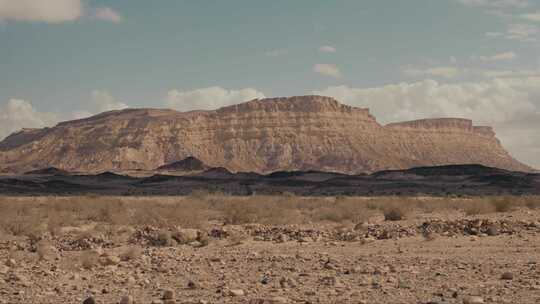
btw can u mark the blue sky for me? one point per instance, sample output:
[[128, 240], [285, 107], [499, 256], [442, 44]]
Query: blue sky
[[410, 59]]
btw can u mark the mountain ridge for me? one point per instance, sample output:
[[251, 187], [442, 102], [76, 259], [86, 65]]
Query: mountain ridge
[[262, 135]]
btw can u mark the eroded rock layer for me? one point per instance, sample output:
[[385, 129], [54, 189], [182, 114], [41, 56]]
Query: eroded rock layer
[[296, 133]]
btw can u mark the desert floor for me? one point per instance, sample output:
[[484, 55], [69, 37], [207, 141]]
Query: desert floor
[[218, 249]]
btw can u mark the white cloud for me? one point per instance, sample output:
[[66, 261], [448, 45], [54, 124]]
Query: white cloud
[[531, 17], [327, 49], [509, 73], [330, 70], [444, 72], [209, 98], [494, 34], [105, 102], [17, 114], [500, 57], [508, 104], [108, 14], [497, 100], [276, 52], [522, 32], [53, 11], [469, 73], [79, 114], [496, 3], [101, 101]]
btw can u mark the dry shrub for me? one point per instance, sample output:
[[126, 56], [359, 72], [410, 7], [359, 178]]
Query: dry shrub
[[237, 213], [343, 210], [532, 202], [236, 238], [477, 207], [31, 217], [394, 213], [503, 204], [45, 250], [204, 239], [164, 239], [131, 253], [393, 208], [89, 259]]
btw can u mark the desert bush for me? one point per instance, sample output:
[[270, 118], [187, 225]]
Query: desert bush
[[237, 213], [31, 217], [394, 213], [478, 206], [163, 238], [501, 204], [89, 259], [532, 202], [393, 208], [204, 239], [131, 253], [343, 210], [45, 250], [236, 238]]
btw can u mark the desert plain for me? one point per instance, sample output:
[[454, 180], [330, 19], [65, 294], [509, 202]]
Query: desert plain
[[215, 248]]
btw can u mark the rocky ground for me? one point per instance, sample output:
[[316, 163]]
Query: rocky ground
[[437, 257]]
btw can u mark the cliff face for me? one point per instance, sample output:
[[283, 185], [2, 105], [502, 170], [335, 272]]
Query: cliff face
[[297, 133]]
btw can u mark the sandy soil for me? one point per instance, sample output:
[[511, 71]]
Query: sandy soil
[[286, 264]]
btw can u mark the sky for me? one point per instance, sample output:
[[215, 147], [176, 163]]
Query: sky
[[476, 59]]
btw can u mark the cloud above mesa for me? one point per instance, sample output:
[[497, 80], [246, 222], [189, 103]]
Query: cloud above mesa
[[17, 114], [330, 70], [209, 98], [53, 11], [510, 105], [496, 3]]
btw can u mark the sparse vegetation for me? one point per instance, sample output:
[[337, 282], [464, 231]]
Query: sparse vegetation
[[91, 237], [503, 204], [89, 259], [131, 253], [477, 207], [34, 216], [394, 213]]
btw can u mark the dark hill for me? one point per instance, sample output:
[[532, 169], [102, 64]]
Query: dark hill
[[467, 180], [47, 171], [186, 165]]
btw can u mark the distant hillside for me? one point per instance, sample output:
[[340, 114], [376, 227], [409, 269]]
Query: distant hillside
[[277, 134], [186, 165], [469, 180]]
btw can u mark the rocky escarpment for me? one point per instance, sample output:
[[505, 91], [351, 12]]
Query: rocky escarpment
[[297, 133]]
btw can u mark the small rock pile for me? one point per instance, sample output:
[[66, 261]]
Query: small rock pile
[[153, 236], [476, 227], [288, 233]]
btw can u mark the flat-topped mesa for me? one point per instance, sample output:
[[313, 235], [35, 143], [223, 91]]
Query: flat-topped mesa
[[25, 135], [119, 114], [484, 130], [298, 104], [261, 135], [443, 125]]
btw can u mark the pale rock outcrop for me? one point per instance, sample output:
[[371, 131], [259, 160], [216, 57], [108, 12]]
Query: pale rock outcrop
[[296, 133]]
